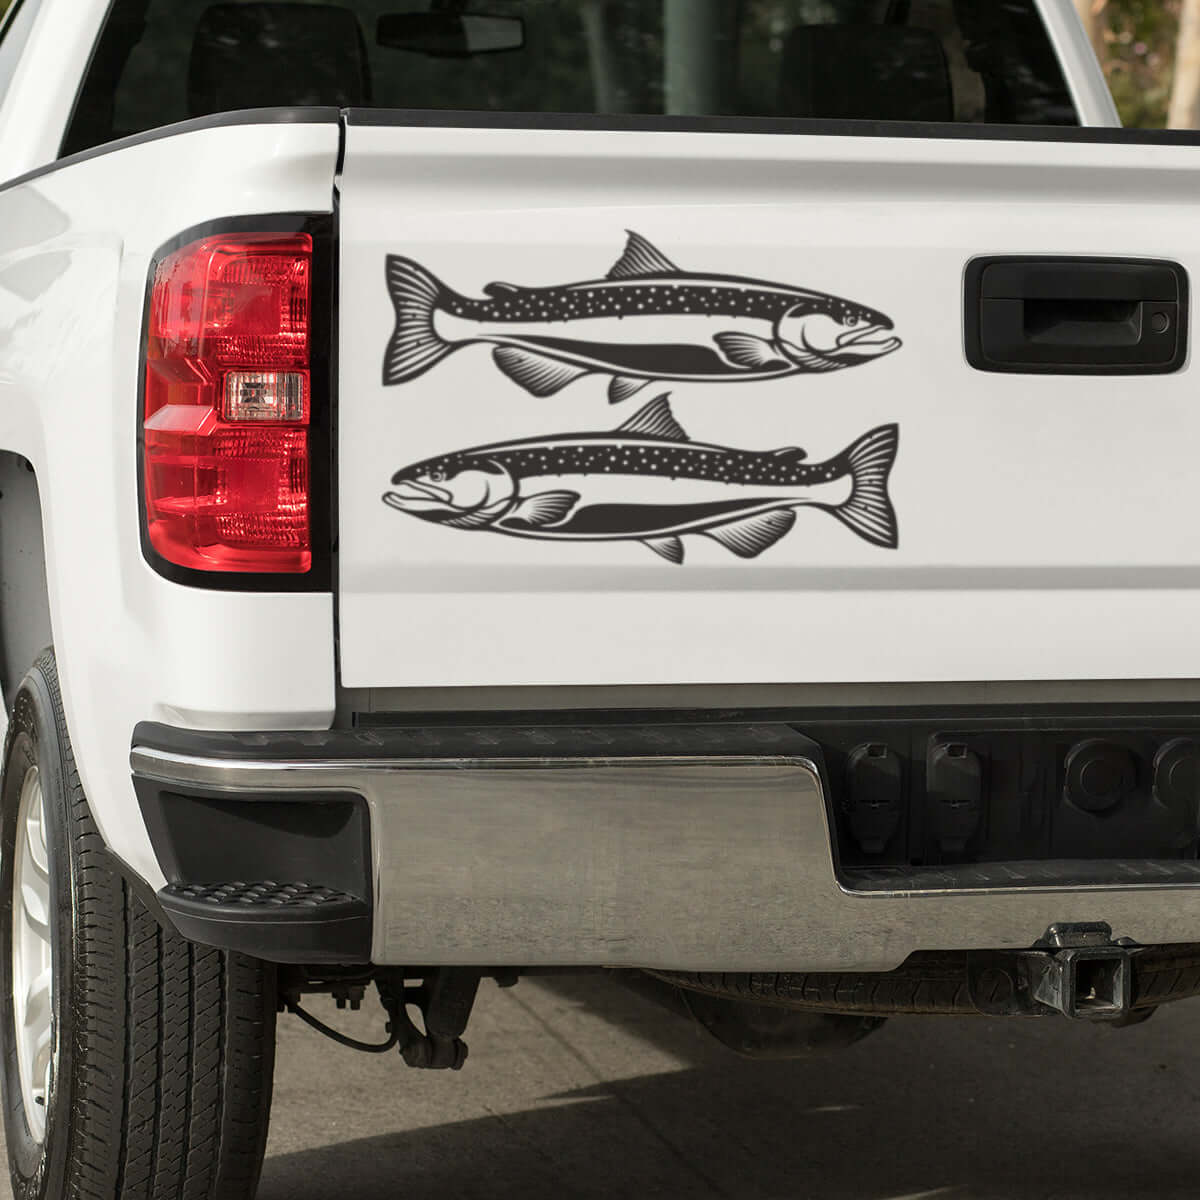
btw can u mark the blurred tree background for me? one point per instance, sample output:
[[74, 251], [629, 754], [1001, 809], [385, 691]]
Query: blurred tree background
[[1150, 50], [1139, 43]]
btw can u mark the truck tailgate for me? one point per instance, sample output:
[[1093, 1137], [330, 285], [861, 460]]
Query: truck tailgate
[[560, 463]]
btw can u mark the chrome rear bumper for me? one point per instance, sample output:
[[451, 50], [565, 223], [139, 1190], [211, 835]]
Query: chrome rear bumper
[[687, 861]]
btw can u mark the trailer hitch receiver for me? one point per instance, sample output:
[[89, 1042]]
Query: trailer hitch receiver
[[1087, 976]]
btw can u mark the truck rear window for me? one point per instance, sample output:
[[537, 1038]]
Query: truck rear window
[[160, 61]]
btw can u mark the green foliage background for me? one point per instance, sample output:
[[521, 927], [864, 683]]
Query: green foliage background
[[1140, 40]]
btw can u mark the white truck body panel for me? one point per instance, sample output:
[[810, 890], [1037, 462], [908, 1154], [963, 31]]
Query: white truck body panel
[[75, 249], [1018, 555], [1043, 519]]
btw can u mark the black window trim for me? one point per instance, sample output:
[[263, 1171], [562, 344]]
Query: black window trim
[[8, 18]]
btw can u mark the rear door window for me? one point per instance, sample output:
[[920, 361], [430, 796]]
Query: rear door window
[[160, 61]]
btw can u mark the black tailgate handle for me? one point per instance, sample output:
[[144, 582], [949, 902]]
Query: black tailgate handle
[[1076, 316]]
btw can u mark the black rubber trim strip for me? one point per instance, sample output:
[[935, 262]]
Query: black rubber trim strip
[[796, 126], [1005, 876], [656, 738], [248, 116], [430, 735]]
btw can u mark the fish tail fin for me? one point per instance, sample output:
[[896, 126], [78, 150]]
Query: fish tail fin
[[869, 510], [415, 345]]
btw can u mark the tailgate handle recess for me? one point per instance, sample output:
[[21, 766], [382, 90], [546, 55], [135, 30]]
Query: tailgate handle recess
[[1076, 316]]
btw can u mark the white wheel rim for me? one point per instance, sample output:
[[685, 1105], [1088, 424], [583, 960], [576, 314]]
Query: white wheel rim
[[33, 966]]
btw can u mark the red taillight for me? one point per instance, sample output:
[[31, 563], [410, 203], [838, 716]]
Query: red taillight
[[228, 400]]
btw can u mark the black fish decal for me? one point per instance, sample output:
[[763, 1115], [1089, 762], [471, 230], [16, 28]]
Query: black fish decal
[[649, 482], [646, 321]]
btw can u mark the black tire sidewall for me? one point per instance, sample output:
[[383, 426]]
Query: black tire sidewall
[[34, 739]]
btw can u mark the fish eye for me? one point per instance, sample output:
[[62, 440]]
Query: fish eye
[[437, 476]]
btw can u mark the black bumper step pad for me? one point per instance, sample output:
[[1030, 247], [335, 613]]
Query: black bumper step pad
[[272, 920]]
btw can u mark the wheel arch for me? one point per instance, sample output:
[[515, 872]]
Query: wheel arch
[[25, 628]]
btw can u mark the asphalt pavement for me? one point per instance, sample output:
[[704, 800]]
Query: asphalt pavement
[[578, 1088]]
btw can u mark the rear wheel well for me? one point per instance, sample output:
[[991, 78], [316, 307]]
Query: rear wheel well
[[24, 597]]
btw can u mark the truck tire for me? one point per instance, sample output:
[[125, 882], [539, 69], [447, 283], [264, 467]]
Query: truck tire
[[136, 1064]]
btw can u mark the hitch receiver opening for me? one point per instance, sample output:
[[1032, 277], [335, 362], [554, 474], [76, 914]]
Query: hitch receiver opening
[[1088, 984]]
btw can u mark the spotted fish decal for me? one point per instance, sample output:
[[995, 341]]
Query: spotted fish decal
[[646, 321], [649, 482]]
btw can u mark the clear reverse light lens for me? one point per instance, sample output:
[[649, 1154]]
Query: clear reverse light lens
[[265, 396]]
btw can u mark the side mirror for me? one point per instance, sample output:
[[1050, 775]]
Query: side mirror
[[450, 35]]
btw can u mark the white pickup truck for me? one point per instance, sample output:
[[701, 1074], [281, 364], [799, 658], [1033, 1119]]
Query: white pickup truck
[[410, 573]]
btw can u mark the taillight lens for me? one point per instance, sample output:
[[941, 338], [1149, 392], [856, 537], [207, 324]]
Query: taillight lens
[[227, 405]]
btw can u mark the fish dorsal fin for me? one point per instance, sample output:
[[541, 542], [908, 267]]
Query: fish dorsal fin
[[749, 352], [670, 548], [641, 258], [790, 454], [500, 289], [535, 373], [748, 538], [546, 508], [656, 420]]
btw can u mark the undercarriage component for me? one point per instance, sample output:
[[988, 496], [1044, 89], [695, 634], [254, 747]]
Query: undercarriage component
[[751, 1028], [444, 996], [347, 987], [1079, 975]]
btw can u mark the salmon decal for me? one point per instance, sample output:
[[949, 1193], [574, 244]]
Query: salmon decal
[[647, 321], [649, 482]]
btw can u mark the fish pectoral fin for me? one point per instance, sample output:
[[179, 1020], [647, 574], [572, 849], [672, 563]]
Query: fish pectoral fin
[[534, 372], [655, 420], [749, 352], [748, 538], [670, 548], [622, 388], [641, 258], [544, 509], [500, 289]]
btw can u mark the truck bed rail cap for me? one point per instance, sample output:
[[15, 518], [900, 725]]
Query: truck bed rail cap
[[248, 116]]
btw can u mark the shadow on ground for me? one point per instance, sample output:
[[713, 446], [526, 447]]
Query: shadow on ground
[[936, 1107]]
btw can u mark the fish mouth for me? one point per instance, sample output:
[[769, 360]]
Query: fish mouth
[[407, 492], [869, 340]]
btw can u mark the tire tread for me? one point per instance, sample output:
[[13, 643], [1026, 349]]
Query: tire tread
[[173, 1042]]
